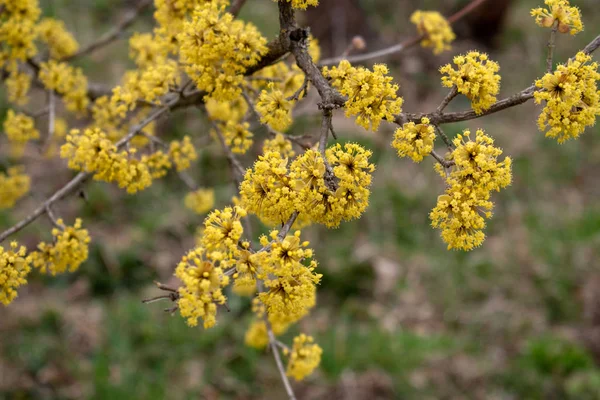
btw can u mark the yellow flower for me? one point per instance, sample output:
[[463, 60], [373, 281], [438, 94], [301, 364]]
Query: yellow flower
[[305, 357], [274, 109], [476, 77], [461, 212], [237, 136], [256, 335], [19, 128], [14, 267], [436, 29], [14, 184], [67, 252], [267, 190], [182, 153], [59, 40], [158, 163], [414, 141], [146, 49], [67, 81], [200, 201], [302, 4], [559, 12], [223, 229], [17, 87], [215, 50], [246, 269], [92, 151], [279, 144], [290, 285], [371, 95], [572, 98], [202, 281]]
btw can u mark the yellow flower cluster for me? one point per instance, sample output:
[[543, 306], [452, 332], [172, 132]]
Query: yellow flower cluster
[[67, 81], [171, 15], [279, 144], [66, 253], [92, 151], [476, 77], [461, 212], [274, 108], [200, 201], [371, 94], [436, 30], [17, 31], [290, 286], [17, 87], [203, 280], [216, 49], [158, 163], [246, 268], [59, 40], [414, 140], [330, 199], [267, 189], [146, 49], [223, 111], [305, 357], [14, 267], [148, 84], [560, 12], [223, 230], [572, 98], [237, 136], [14, 184], [182, 153], [256, 335], [302, 4], [281, 76], [19, 129]]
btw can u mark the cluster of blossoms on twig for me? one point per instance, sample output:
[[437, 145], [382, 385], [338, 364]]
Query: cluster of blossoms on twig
[[200, 54]]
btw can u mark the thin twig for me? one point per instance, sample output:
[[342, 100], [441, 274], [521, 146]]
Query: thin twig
[[236, 7], [405, 44], [440, 159], [451, 95], [551, 46], [115, 33], [51, 119], [53, 218], [301, 92], [238, 170], [445, 138]]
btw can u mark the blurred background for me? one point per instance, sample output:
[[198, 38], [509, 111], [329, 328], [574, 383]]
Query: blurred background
[[398, 315]]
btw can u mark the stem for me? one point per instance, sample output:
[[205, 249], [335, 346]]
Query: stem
[[451, 95], [551, 47]]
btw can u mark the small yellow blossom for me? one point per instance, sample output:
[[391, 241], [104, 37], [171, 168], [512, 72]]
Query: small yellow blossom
[[59, 40], [146, 49], [66, 253], [267, 189], [19, 128], [14, 267], [371, 94], [203, 280], [223, 229], [67, 81], [17, 87], [200, 201], [572, 98], [275, 110], [476, 77], [182, 153], [436, 29], [461, 212], [92, 151], [305, 357], [414, 140], [256, 335], [279, 144], [237, 136], [560, 12], [14, 184]]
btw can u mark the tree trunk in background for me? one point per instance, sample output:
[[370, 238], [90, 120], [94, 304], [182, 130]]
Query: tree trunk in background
[[335, 22]]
